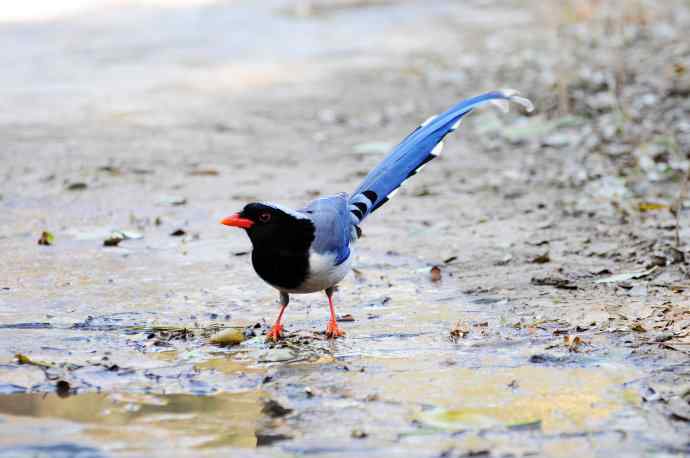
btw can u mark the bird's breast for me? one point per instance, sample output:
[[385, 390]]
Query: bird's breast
[[280, 269], [294, 273], [323, 272]]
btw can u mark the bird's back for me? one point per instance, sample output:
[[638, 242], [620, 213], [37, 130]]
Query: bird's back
[[333, 225]]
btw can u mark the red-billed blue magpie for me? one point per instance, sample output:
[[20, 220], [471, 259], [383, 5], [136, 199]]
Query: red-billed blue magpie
[[310, 250]]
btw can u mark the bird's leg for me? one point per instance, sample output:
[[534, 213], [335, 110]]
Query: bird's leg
[[332, 330], [277, 329]]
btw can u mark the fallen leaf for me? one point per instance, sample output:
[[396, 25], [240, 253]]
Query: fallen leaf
[[204, 173], [627, 276], [573, 343], [436, 274], [111, 169], [23, 359], [651, 206], [178, 233], [46, 238], [637, 327], [541, 259], [458, 332], [555, 281], [345, 318], [77, 186], [114, 239], [358, 434]]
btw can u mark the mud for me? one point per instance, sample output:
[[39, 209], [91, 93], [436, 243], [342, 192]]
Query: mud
[[555, 322]]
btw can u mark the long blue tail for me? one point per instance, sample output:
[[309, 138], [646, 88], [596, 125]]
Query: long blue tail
[[418, 148]]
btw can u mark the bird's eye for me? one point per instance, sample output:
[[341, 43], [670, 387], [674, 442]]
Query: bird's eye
[[265, 217]]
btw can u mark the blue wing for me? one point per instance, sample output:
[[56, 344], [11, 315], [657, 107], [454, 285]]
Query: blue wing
[[418, 148], [333, 225]]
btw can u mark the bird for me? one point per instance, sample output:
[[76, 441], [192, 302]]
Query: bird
[[311, 249]]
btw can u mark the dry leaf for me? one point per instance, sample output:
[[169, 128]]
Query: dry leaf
[[541, 259], [573, 343], [436, 274], [204, 173], [651, 206], [458, 332], [46, 239]]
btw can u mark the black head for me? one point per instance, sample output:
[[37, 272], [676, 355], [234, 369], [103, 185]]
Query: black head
[[273, 228]]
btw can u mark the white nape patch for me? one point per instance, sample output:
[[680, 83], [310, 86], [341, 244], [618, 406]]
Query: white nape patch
[[514, 96], [429, 119], [289, 211], [437, 149], [456, 125], [323, 273], [393, 193]]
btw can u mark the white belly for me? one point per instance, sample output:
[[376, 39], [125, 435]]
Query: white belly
[[322, 273]]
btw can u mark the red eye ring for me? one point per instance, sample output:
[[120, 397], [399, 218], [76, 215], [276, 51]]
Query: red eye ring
[[265, 217]]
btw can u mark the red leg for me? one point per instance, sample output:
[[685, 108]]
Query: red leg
[[332, 330], [275, 333]]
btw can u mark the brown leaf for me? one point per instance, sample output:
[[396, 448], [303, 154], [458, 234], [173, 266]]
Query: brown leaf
[[637, 327], [552, 280], [46, 238], [541, 259], [573, 343], [78, 186], [436, 274], [113, 240], [204, 173], [458, 332]]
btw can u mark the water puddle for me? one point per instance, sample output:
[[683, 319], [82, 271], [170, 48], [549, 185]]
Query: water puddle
[[137, 422], [555, 400]]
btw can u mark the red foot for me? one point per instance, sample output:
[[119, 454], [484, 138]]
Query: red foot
[[275, 333], [333, 331]]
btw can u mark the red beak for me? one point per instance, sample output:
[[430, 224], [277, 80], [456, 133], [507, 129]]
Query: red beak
[[237, 221]]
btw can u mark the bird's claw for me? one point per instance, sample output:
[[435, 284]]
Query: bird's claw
[[274, 334], [333, 331]]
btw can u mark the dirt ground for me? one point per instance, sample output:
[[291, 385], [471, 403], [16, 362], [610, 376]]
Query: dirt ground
[[556, 321]]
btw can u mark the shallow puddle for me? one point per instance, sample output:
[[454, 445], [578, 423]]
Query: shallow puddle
[[133, 422], [553, 399]]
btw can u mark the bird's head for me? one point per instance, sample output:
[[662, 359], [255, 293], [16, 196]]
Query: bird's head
[[270, 226]]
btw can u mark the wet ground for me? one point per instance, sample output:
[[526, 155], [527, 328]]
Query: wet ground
[[556, 323]]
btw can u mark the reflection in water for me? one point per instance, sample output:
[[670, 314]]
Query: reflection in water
[[140, 421], [555, 400]]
